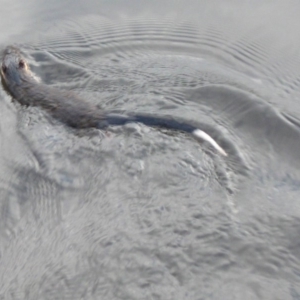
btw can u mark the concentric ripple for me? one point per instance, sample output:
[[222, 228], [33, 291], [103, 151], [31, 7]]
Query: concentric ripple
[[142, 213]]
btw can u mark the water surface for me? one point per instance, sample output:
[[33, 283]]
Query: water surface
[[140, 213]]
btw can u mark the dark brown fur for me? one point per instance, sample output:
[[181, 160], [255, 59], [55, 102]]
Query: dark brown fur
[[65, 106], [20, 83]]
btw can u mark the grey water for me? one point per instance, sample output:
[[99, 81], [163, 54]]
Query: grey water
[[141, 213]]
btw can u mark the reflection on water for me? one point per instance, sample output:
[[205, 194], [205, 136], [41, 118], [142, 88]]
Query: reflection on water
[[136, 212]]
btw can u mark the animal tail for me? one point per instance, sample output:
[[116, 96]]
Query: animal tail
[[168, 123]]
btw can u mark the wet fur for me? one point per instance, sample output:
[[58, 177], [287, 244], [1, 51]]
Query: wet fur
[[68, 108]]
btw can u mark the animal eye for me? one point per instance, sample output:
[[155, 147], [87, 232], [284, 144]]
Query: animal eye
[[4, 69], [21, 64]]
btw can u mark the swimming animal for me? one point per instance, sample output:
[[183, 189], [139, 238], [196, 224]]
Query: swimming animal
[[19, 81]]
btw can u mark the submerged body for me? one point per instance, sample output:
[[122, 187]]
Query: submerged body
[[68, 108]]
